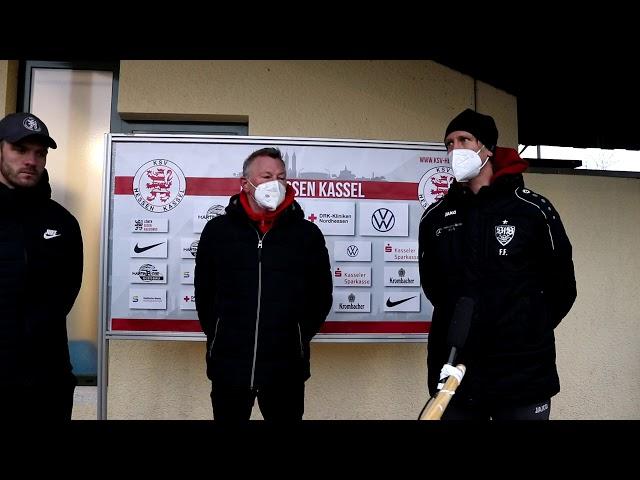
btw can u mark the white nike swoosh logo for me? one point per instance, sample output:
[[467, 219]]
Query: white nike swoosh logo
[[47, 237]]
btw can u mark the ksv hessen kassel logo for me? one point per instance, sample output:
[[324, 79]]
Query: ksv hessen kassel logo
[[159, 186], [434, 184]]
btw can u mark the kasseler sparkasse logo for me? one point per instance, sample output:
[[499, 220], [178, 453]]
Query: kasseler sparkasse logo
[[159, 185]]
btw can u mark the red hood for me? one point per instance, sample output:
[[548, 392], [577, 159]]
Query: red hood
[[506, 161], [265, 219]]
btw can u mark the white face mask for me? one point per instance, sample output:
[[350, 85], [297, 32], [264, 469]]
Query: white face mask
[[466, 164], [269, 195]]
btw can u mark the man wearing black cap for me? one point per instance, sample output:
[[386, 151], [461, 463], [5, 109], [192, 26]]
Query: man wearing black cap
[[504, 246], [41, 262]]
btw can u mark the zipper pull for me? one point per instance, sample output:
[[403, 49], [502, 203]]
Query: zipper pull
[[259, 250]]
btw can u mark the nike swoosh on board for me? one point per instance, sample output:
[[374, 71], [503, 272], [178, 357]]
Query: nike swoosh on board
[[138, 249], [393, 304]]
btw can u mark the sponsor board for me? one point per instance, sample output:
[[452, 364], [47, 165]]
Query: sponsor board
[[147, 299]]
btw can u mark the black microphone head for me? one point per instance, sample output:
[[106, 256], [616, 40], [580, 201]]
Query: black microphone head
[[460, 322]]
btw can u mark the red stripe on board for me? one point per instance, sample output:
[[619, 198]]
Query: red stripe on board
[[195, 186], [157, 325], [212, 186], [375, 327], [123, 186], [355, 189], [204, 186], [390, 190]]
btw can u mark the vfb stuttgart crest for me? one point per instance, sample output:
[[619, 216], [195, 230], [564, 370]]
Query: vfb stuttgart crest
[[505, 233], [434, 184], [159, 186]]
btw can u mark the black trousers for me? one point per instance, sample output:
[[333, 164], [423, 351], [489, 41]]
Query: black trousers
[[41, 403], [278, 402], [535, 411]]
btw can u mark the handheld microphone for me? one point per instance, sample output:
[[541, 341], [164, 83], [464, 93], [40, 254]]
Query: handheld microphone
[[459, 327]]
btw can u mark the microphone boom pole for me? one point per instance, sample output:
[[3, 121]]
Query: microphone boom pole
[[436, 406], [452, 376]]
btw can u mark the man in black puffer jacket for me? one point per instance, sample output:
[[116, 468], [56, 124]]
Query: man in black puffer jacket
[[263, 289], [504, 246], [40, 276]]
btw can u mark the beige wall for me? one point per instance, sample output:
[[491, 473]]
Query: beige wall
[[598, 352], [598, 343], [166, 380], [391, 100]]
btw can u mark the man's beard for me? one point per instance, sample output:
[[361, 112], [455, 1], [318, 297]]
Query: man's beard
[[12, 177]]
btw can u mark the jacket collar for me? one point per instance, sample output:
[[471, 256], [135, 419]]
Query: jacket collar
[[504, 183], [236, 210], [27, 196]]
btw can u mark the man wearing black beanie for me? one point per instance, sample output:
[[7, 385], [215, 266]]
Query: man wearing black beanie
[[503, 246], [483, 127]]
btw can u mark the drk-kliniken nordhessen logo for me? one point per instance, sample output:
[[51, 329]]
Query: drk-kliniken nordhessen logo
[[159, 186]]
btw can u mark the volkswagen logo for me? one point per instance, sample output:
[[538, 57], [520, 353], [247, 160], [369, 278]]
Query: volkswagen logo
[[383, 220]]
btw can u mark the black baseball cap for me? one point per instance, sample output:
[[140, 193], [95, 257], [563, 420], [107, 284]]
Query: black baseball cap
[[18, 126]]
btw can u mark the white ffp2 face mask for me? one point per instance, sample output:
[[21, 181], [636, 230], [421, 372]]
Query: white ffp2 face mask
[[466, 164], [269, 195]]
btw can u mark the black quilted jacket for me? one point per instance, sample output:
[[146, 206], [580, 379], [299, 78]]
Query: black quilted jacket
[[40, 275], [506, 248], [261, 298]]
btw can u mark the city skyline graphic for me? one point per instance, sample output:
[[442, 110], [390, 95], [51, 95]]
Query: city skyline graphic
[[291, 168]]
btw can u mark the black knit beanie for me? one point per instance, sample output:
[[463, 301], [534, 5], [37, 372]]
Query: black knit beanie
[[480, 126]]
